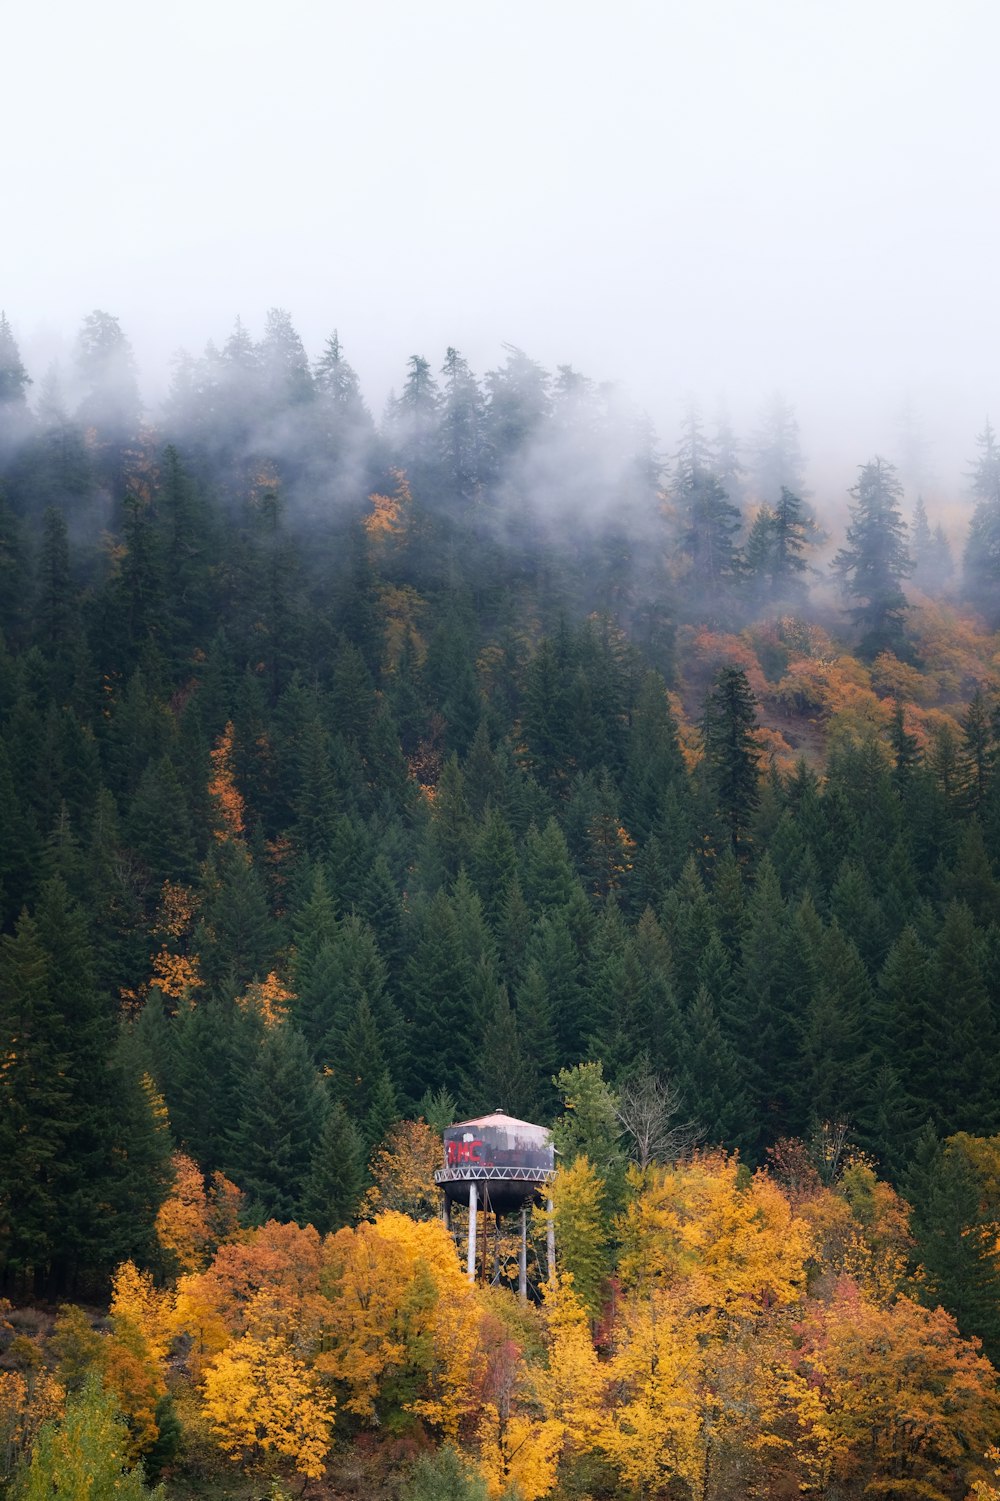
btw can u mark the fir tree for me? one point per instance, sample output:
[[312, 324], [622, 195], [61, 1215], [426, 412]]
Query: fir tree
[[336, 1173], [981, 559], [283, 1109], [875, 560], [711, 1077], [731, 753]]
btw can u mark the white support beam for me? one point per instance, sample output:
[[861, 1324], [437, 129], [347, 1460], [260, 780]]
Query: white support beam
[[522, 1257], [473, 1214]]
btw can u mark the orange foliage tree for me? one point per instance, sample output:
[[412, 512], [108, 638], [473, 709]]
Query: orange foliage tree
[[888, 1400]]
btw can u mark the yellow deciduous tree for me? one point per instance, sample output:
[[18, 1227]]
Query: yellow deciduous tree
[[712, 1259], [581, 1241], [402, 1325], [260, 1399], [267, 1278], [199, 1217], [27, 1401], [732, 1237], [518, 1454], [402, 1171], [136, 1302], [571, 1387]]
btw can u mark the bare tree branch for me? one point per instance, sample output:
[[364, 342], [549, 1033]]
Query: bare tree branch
[[646, 1108]]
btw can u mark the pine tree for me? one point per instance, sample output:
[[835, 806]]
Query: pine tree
[[234, 936], [711, 1078], [836, 1032], [959, 1051], [954, 1225], [732, 754], [283, 1110], [37, 1098], [547, 876], [773, 957], [708, 526], [981, 559], [435, 1000], [211, 1050], [461, 432], [78, 1027], [14, 378], [659, 1025], [336, 1173], [337, 381], [689, 924], [158, 829], [875, 559], [978, 750], [553, 953], [111, 405]]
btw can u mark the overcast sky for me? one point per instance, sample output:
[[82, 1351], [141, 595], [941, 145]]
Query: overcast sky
[[719, 196]]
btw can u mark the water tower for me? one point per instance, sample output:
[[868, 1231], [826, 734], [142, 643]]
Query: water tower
[[498, 1163]]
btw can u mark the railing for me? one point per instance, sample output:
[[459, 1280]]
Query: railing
[[475, 1172]]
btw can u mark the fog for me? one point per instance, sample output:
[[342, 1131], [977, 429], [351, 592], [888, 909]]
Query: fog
[[707, 197]]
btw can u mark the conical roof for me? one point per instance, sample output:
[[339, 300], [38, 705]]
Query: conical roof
[[499, 1118]]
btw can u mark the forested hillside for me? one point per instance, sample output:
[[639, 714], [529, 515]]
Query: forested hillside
[[359, 772]]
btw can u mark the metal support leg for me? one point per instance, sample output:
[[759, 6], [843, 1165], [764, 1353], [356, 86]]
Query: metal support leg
[[550, 1241], [522, 1256], [473, 1210]]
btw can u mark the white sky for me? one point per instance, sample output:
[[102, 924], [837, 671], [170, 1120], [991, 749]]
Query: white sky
[[721, 196]]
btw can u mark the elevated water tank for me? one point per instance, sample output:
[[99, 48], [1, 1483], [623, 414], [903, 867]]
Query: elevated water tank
[[508, 1160]]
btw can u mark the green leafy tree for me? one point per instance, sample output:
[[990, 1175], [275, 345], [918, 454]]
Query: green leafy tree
[[86, 1456]]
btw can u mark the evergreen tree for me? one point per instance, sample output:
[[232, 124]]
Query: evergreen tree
[[14, 378], [461, 429], [435, 1000], [981, 559], [69, 1032], [732, 754], [37, 1100], [954, 1225], [875, 559], [777, 461], [978, 751], [275, 1137], [337, 381], [711, 1078], [959, 1045], [555, 956], [836, 1059], [775, 961], [209, 1051], [110, 405], [234, 936], [336, 1174], [708, 526]]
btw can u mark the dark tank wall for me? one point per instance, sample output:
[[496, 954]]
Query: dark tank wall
[[474, 1144]]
